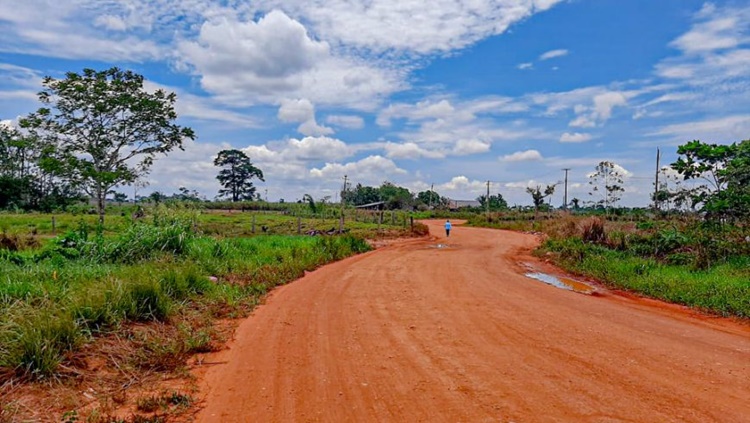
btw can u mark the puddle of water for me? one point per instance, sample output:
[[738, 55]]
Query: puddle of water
[[441, 246], [562, 283]]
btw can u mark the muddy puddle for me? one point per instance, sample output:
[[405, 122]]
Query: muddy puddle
[[561, 282], [441, 246]]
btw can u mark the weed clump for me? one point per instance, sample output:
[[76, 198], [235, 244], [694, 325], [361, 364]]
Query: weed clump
[[16, 242], [592, 231]]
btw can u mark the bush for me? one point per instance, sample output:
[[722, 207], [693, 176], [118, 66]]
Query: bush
[[592, 230], [421, 229]]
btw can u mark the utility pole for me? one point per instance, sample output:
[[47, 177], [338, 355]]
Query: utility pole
[[266, 195], [565, 198], [656, 183], [343, 200], [487, 201], [432, 190]]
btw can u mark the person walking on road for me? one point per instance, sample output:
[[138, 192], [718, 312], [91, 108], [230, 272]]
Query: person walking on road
[[448, 228]]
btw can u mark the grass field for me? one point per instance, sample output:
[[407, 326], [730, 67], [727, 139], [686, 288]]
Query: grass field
[[212, 222]]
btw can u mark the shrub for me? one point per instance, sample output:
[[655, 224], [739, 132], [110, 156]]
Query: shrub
[[592, 230], [16, 242], [421, 229], [669, 240]]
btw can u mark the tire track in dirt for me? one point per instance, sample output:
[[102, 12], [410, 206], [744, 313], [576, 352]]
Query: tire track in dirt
[[416, 333]]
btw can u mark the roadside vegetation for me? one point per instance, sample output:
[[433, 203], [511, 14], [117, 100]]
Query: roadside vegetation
[[158, 284], [682, 261]]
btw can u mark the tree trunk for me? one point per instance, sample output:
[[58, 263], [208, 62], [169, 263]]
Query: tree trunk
[[100, 204]]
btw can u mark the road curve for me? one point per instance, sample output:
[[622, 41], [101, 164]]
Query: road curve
[[417, 333]]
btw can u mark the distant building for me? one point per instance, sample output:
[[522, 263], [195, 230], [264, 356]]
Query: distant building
[[373, 206], [459, 204]]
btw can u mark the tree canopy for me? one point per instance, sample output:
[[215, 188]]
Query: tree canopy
[[497, 202], [23, 184], [538, 196], [606, 184], [236, 175], [725, 172], [101, 129], [394, 197]]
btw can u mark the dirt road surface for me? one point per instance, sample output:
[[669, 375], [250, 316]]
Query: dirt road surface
[[417, 333]]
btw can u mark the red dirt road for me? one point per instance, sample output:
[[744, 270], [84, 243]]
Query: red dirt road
[[415, 333]]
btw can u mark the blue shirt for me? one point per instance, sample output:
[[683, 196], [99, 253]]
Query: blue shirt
[[447, 225]]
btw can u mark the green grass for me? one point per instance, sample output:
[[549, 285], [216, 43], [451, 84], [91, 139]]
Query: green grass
[[221, 223], [55, 299], [723, 289]]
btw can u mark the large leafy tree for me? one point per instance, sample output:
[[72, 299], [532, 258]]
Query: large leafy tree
[[725, 172], [17, 153], [396, 197], [236, 175], [361, 195], [432, 198], [497, 202], [699, 160], [23, 183], [737, 175], [16, 185], [606, 184], [101, 129]]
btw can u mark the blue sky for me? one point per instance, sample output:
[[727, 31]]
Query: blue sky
[[452, 94]]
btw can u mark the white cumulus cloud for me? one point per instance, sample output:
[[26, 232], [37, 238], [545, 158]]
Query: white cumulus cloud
[[302, 111], [346, 121], [523, 156], [575, 137], [371, 170], [275, 57], [413, 27]]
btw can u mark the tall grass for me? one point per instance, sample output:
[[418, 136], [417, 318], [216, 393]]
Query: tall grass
[[83, 284], [723, 289]]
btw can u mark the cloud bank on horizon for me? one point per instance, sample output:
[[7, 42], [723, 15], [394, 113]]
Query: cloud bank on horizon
[[454, 94]]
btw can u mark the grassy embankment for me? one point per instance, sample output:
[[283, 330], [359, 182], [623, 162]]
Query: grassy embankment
[[160, 284], [684, 262]]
